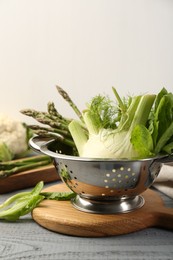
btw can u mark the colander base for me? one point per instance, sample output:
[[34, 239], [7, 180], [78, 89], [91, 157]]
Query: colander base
[[107, 207]]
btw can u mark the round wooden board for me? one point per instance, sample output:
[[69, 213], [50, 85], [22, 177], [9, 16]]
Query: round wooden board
[[62, 217]]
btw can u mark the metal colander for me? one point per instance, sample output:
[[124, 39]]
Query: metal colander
[[102, 185]]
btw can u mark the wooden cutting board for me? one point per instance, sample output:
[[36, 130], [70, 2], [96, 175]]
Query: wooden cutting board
[[62, 217], [28, 179]]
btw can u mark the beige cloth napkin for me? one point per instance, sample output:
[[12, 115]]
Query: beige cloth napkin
[[164, 181]]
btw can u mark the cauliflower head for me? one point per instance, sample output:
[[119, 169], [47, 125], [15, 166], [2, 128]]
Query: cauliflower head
[[13, 138]]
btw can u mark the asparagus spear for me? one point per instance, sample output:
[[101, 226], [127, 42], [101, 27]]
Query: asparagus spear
[[57, 125], [12, 167], [64, 94], [45, 118]]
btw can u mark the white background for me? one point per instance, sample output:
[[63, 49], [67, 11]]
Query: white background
[[86, 47]]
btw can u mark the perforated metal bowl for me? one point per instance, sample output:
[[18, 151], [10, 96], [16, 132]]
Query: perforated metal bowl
[[103, 186]]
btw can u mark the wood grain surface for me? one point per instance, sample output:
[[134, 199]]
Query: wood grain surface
[[62, 217], [26, 240], [28, 179]]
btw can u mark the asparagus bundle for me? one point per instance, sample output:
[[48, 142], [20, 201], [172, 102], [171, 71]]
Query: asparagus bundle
[[56, 125]]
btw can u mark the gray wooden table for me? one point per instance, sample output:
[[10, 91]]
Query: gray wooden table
[[27, 240]]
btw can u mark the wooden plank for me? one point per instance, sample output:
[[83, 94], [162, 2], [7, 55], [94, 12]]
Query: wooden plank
[[62, 217], [28, 178]]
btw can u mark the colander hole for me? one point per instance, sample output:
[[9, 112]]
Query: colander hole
[[66, 166], [119, 175], [121, 168], [103, 194], [107, 187], [75, 178], [71, 172], [105, 180], [107, 174], [129, 169], [113, 170]]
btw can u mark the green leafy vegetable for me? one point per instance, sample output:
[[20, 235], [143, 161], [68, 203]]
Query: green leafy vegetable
[[23, 203], [142, 141], [132, 127], [58, 195], [5, 153], [162, 120]]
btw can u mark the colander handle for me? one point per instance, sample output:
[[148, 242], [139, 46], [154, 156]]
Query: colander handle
[[159, 162], [36, 142], [168, 159]]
